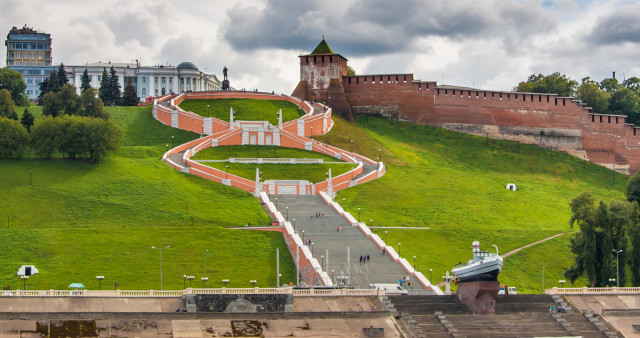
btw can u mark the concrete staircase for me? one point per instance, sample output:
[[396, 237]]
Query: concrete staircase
[[516, 316]]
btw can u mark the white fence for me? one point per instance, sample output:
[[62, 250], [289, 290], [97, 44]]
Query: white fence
[[179, 293], [592, 291]]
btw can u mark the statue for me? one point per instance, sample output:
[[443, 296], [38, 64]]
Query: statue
[[225, 82], [224, 71]]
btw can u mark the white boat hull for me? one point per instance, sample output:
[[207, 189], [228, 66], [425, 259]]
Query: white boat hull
[[479, 271]]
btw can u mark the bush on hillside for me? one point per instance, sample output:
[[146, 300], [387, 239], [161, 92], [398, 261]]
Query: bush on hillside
[[14, 138]]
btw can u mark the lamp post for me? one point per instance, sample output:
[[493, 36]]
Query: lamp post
[[302, 236], [414, 263], [171, 141], [322, 261], [351, 146], [207, 110], [358, 214], [205, 262], [379, 156], [287, 214], [294, 225], [430, 274], [311, 248], [371, 222], [399, 248], [279, 279], [190, 278], [385, 236], [543, 279], [100, 278], [204, 282], [617, 252], [225, 282], [161, 248], [253, 282], [24, 282], [226, 173], [311, 130], [612, 280], [562, 281], [276, 203], [184, 282]]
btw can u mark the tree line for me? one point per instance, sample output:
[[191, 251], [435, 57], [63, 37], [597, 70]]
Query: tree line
[[609, 238], [75, 126], [608, 96]]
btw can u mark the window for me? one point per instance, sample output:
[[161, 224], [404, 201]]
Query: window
[[144, 92], [144, 80], [99, 78], [164, 80]]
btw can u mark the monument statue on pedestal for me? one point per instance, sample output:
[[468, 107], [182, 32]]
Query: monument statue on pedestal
[[225, 82]]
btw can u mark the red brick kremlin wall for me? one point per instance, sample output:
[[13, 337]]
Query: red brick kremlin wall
[[547, 120]]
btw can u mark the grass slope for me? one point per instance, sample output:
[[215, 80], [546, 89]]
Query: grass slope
[[78, 220], [455, 184], [245, 109]]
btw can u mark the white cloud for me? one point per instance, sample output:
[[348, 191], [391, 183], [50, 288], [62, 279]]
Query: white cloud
[[490, 43]]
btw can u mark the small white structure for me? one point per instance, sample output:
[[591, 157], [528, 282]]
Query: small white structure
[[512, 187], [27, 270]]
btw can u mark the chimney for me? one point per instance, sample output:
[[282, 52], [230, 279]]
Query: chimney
[[614, 75]]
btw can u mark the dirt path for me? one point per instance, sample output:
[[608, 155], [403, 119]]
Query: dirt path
[[509, 253]]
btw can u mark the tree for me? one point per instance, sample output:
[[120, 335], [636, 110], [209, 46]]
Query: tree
[[46, 135], [7, 107], [68, 100], [104, 87], [633, 188], [624, 102], [14, 138], [62, 75], [114, 88], [589, 92], [609, 85], [555, 83], [27, 119], [350, 71], [13, 82], [92, 105], [51, 105], [634, 239], [632, 83], [85, 81], [129, 98]]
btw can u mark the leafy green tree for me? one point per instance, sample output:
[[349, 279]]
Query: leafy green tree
[[114, 88], [14, 138], [632, 83], [350, 71], [589, 92], [634, 240], [27, 119], [624, 102], [44, 89], [46, 136], [129, 98], [85, 81], [609, 85], [7, 106], [633, 188], [92, 105], [602, 228], [13, 82], [51, 105], [555, 83], [69, 100]]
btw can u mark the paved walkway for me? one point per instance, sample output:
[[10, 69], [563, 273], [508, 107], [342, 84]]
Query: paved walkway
[[323, 234]]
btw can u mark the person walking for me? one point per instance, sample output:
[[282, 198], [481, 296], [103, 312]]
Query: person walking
[[360, 259], [384, 251], [368, 258]]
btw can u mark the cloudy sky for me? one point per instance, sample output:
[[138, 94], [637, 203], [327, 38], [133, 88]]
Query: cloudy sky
[[481, 43]]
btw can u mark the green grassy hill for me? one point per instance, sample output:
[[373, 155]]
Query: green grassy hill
[[74, 220], [245, 109], [455, 184]]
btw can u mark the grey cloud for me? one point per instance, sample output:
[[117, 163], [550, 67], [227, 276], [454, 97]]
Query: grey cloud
[[621, 26], [131, 26], [371, 27]]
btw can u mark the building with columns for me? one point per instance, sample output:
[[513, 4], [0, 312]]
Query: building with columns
[[148, 80]]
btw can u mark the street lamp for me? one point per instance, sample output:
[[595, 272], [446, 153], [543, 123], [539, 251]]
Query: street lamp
[[24, 282], [612, 280], [303, 236], [190, 278], [385, 236], [226, 173], [171, 141], [225, 281], [358, 214], [430, 274], [279, 279], [543, 279], [379, 156], [276, 203], [322, 261], [311, 248], [617, 252], [205, 262], [371, 222], [253, 282], [161, 248], [100, 278], [184, 282], [204, 281], [287, 214], [294, 225], [399, 248], [562, 281], [207, 110], [351, 146], [414, 263]]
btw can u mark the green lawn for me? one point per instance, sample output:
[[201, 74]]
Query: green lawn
[[74, 220], [254, 151], [245, 109], [455, 184]]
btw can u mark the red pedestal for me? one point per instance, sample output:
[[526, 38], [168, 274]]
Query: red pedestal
[[479, 296]]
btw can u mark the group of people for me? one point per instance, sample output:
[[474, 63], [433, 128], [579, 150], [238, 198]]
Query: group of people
[[405, 281], [318, 215], [364, 258], [561, 308]]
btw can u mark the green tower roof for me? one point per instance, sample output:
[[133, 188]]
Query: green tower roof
[[323, 48]]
